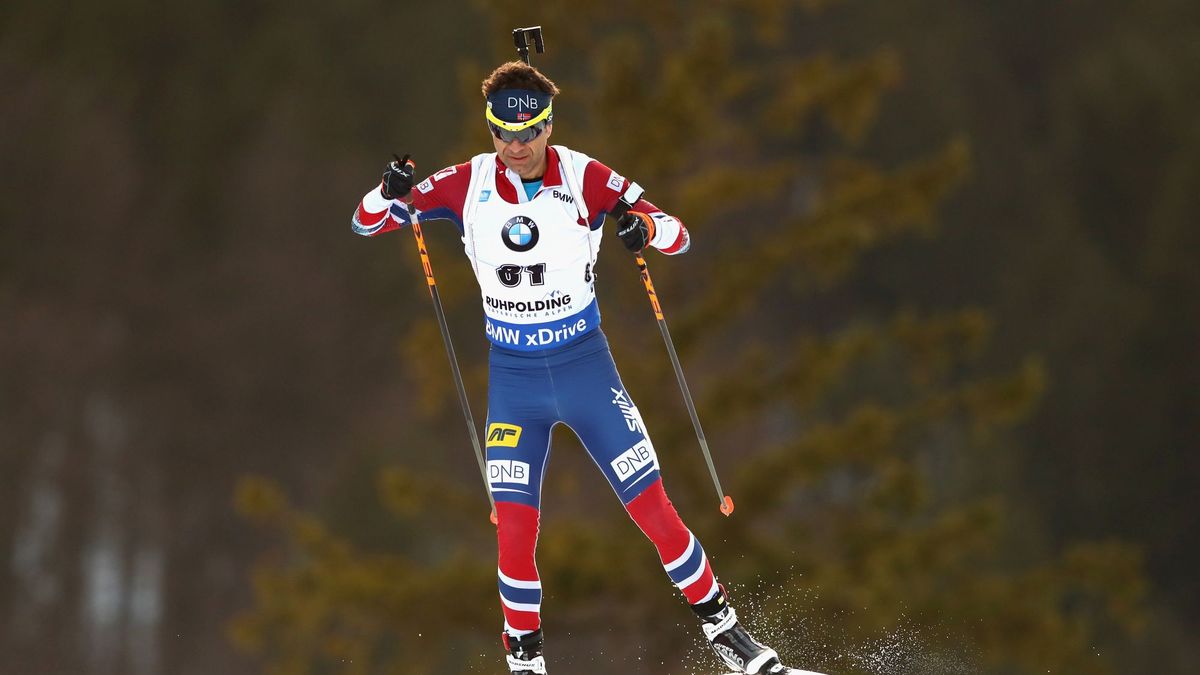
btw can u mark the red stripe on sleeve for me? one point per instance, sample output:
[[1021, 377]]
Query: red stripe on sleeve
[[368, 219], [680, 242]]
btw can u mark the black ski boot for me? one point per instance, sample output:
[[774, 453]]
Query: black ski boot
[[734, 646], [525, 653]]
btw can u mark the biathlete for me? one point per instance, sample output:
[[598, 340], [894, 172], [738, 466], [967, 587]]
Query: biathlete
[[530, 216]]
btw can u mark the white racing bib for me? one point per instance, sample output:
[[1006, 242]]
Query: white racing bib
[[533, 260]]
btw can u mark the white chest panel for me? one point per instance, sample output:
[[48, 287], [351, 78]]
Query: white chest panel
[[534, 263]]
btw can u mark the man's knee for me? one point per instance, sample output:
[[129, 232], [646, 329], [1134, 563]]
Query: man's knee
[[516, 528], [657, 518]]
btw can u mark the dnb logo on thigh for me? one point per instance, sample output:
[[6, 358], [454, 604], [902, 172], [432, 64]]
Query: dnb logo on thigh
[[508, 471], [633, 460]]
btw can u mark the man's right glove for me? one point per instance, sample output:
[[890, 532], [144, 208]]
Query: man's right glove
[[635, 229], [397, 178]]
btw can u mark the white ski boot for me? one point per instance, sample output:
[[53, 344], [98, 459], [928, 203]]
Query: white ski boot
[[525, 653], [741, 652], [733, 644]]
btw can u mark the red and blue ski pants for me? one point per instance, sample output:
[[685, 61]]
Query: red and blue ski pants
[[576, 385]]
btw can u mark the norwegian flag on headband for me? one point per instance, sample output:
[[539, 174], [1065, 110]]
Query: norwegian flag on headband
[[522, 116]]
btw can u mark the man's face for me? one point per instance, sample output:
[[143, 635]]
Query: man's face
[[527, 159]]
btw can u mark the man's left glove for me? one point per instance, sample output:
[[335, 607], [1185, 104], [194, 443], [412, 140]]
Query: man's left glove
[[397, 178], [636, 230]]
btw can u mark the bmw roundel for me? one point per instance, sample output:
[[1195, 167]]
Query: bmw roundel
[[519, 234]]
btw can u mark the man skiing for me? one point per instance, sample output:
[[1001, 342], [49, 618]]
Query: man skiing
[[530, 216]]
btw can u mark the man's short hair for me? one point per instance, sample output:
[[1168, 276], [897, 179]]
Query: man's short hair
[[518, 75]]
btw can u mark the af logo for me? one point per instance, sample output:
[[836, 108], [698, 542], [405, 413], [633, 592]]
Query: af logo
[[501, 435], [519, 234]]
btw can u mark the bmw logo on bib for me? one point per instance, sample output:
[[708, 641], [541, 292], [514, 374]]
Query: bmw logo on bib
[[520, 234]]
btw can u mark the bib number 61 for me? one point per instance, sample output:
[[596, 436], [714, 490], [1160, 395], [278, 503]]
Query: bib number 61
[[510, 275]]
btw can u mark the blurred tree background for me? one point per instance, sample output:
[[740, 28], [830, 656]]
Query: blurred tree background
[[937, 317]]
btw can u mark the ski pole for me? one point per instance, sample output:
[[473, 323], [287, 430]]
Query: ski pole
[[441, 317], [726, 500], [622, 207]]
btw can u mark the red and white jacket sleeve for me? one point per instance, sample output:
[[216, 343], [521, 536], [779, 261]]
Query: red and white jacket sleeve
[[602, 187], [439, 196]]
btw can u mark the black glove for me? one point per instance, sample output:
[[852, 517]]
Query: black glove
[[635, 229], [397, 178]]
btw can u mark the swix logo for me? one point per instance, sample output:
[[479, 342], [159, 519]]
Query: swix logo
[[563, 196], [501, 435], [633, 418], [523, 102], [508, 471], [633, 460]]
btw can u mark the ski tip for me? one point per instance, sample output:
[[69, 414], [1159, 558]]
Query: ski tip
[[727, 505]]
